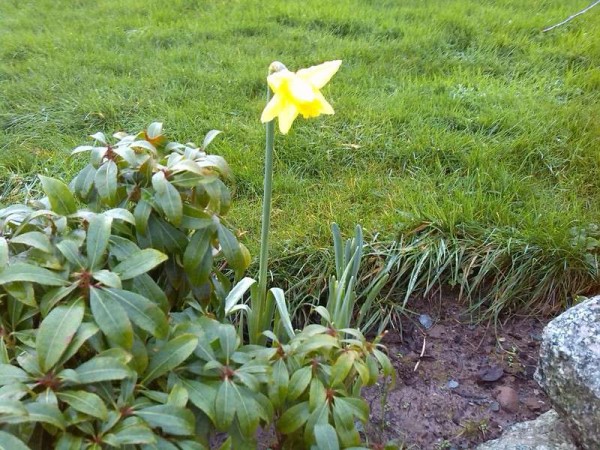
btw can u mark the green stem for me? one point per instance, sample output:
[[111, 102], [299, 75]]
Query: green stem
[[266, 212], [262, 314]]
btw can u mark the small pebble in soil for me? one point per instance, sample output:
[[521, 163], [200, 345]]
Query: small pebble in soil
[[426, 321], [508, 398], [452, 384], [495, 406]]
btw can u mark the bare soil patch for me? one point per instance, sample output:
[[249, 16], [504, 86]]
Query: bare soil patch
[[471, 380]]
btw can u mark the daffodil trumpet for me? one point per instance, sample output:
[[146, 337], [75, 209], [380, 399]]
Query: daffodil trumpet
[[293, 94]]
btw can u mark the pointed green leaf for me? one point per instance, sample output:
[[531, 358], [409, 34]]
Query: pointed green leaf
[[4, 358], [34, 239], [111, 318], [317, 394], [108, 278], [106, 181], [146, 286], [46, 413], [23, 292], [171, 355], [97, 239], [29, 272], [178, 396], [70, 250], [14, 391], [99, 136], [145, 314], [195, 253], [225, 405], [163, 236], [326, 437], [84, 402], [341, 367], [101, 368], [122, 248], [55, 295], [120, 214], [61, 199], [3, 253], [237, 293], [139, 263], [85, 331], [209, 138], [319, 416], [202, 395], [278, 389], [69, 442], [171, 419], [142, 212], [345, 423], [39, 412], [231, 249], [245, 409], [299, 382], [277, 295], [56, 333], [10, 442], [228, 339], [356, 406], [293, 418], [168, 198], [10, 374], [12, 407], [191, 445], [155, 130], [133, 430], [84, 181], [195, 218]]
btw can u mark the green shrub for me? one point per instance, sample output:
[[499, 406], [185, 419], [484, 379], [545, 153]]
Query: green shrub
[[122, 321]]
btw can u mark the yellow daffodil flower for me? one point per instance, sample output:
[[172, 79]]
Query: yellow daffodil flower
[[298, 93]]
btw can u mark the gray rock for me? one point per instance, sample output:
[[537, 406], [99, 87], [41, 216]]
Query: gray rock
[[569, 370], [547, 432]]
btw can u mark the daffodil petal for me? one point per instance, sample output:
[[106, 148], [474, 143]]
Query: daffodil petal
[[273, 109], [275, 80], [319, 76], [287, 117], [326, 108], [300, 90]]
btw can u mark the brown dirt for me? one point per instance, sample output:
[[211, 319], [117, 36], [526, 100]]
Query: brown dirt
[[444, 403]]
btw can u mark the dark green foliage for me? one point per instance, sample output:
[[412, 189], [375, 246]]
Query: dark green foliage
[[120, 329]]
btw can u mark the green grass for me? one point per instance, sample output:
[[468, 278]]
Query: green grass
[[455, 120]]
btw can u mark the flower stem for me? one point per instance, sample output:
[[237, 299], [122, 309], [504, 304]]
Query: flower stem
[[262, 314], [266, 212]]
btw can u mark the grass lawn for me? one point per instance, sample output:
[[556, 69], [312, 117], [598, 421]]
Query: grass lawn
[[459, 125]]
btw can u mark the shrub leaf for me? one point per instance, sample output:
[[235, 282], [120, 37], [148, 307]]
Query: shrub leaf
[[172, 419], [139, 263], [61, 199], [170, 356], [56, 333], [31, 273], [84, 402], [111, 318]]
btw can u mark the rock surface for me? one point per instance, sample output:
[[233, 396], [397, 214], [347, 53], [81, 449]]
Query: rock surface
[[547, 432], [569, 370]]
